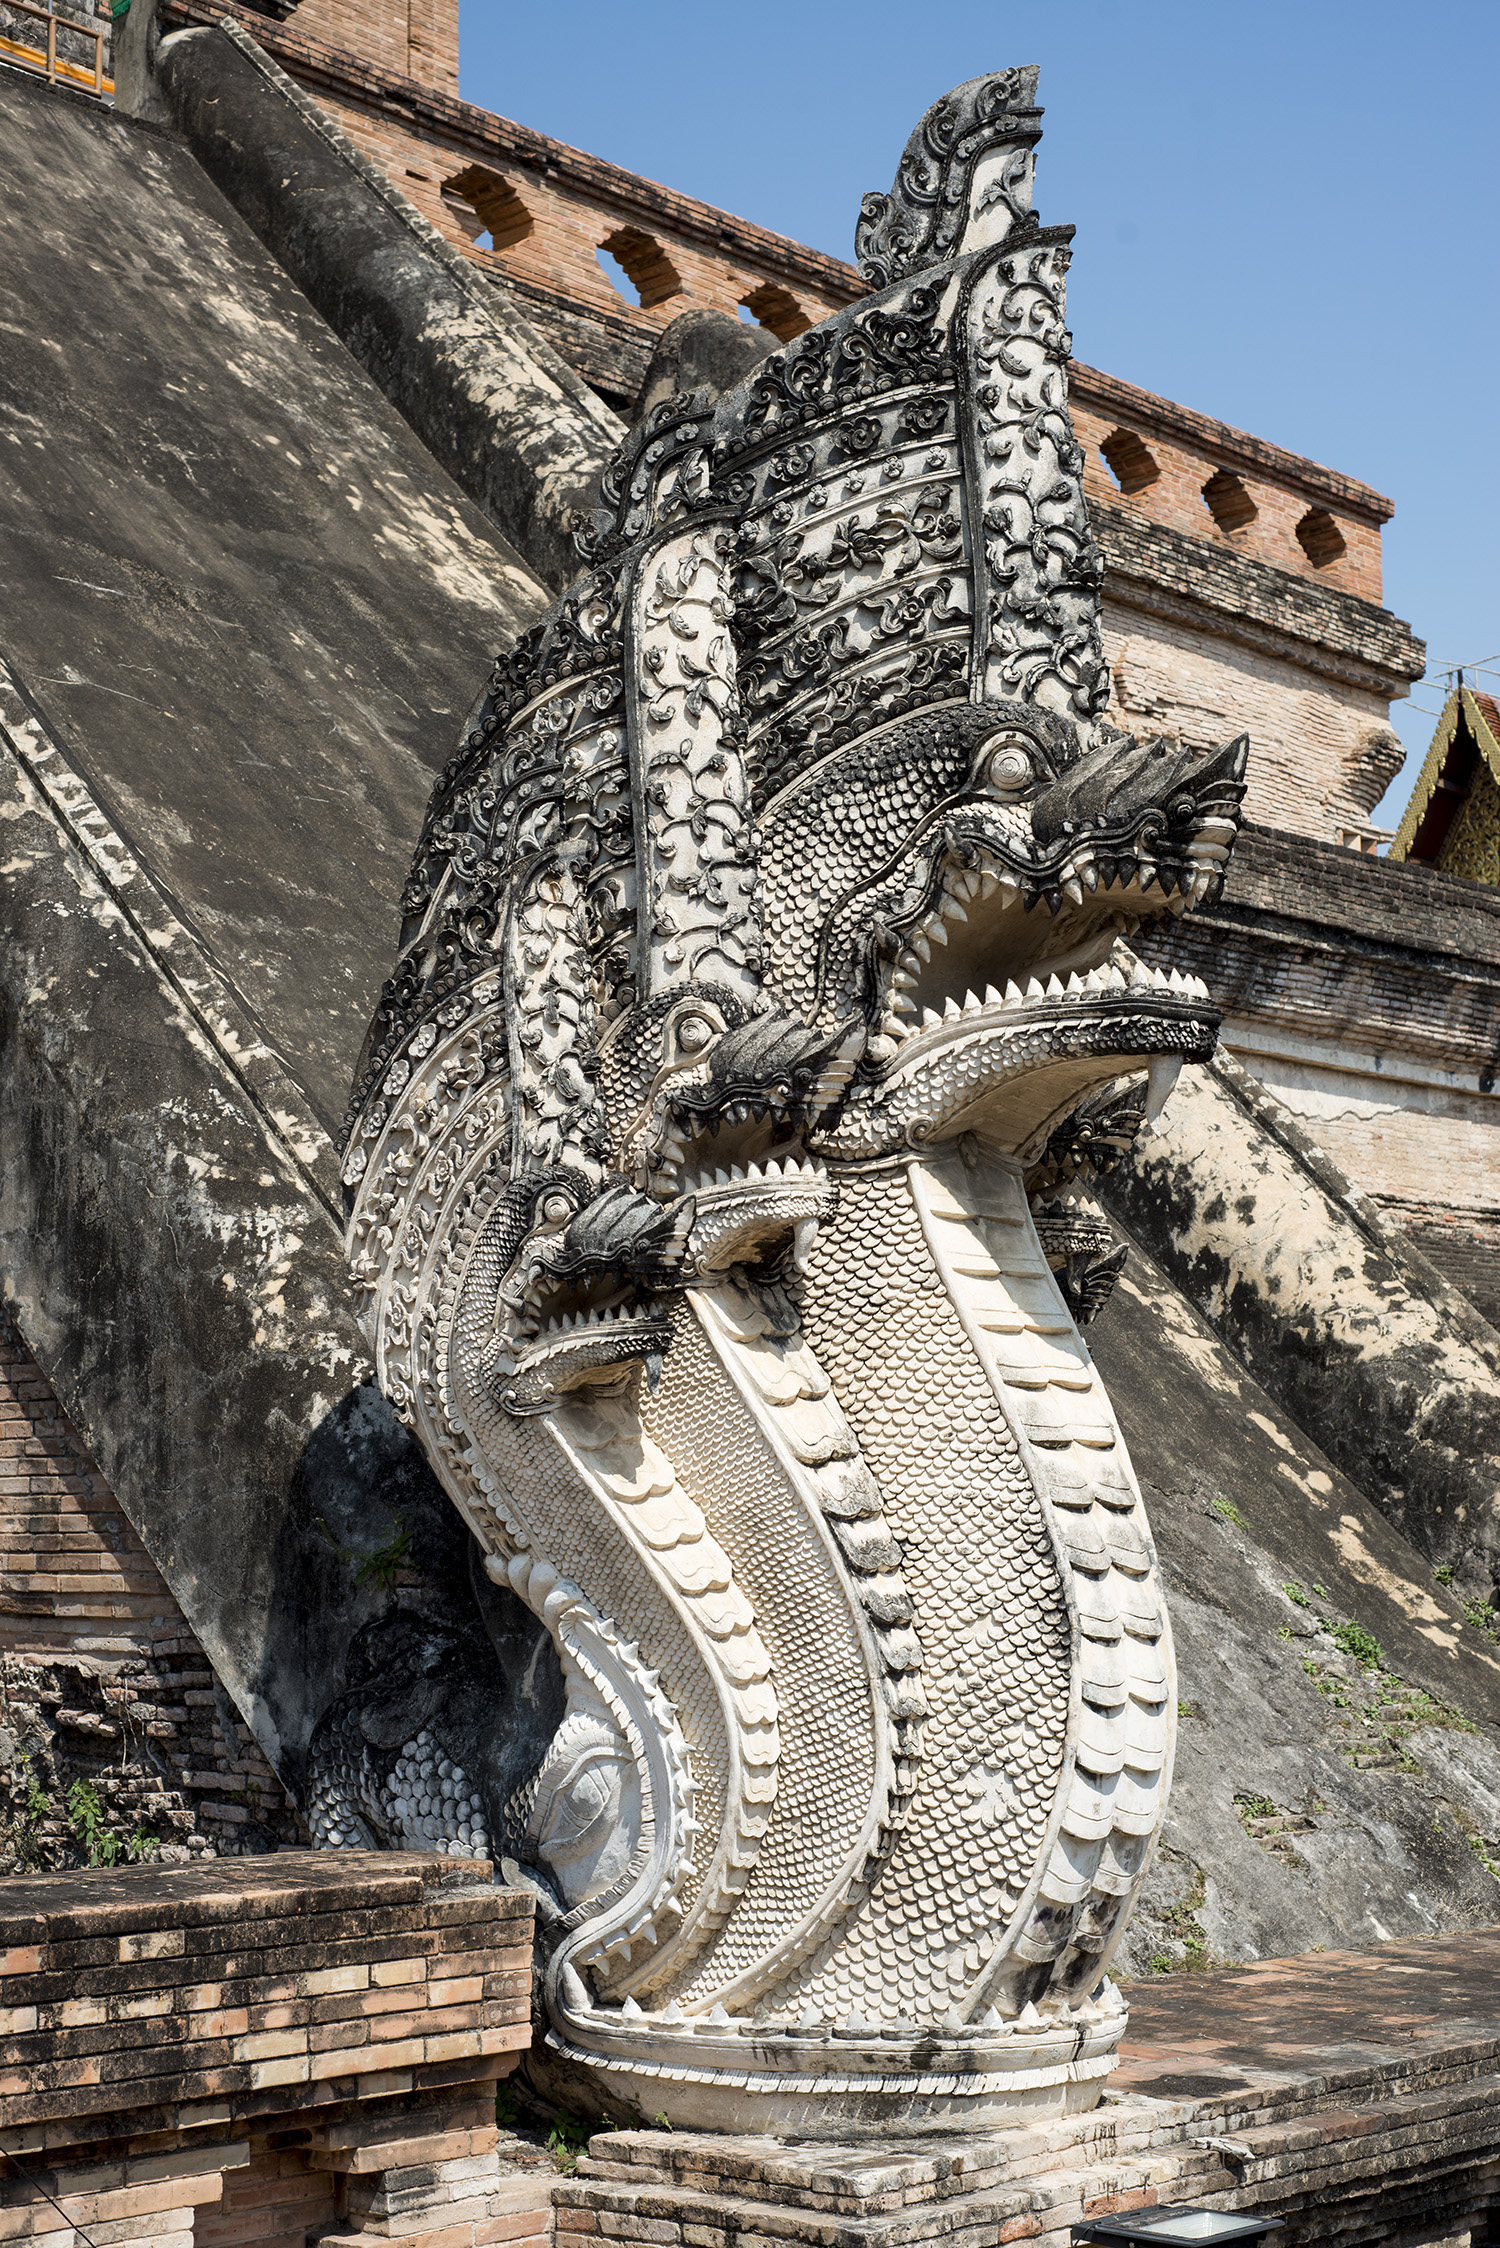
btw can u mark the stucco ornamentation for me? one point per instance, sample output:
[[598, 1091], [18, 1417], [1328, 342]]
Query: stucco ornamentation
[[762, 983]]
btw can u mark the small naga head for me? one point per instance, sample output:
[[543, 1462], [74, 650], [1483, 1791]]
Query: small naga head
[[785, 879]]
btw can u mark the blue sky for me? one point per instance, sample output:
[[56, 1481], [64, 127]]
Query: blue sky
[[1287, 215]]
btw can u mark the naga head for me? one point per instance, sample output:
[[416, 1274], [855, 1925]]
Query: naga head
[[792, 851]]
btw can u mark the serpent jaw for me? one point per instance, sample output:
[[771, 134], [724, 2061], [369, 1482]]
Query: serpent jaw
[[578, 1348], [1010, 1065]]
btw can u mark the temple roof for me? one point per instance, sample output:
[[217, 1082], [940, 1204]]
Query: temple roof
[[1453, 819]]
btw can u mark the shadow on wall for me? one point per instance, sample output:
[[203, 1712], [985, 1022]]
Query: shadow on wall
[[432, 1692]]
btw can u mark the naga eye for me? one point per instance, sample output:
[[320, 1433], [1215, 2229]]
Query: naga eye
[[555, 1208], [1008, 769], [694, 1033]]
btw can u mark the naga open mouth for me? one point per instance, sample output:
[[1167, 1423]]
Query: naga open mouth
[[1047, 1044], [580, 1346], [974, 919], [758, 1213], [912, 1011]]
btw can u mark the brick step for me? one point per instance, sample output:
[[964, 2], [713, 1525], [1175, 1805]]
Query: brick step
[[1418, 2147]]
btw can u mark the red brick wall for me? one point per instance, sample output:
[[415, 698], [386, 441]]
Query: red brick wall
[[1175, 497], [74, 1577], [349, 57], [413, 38], [274, 2200], [575, 202], [569, 225], [101, 1681], [370, 1972]]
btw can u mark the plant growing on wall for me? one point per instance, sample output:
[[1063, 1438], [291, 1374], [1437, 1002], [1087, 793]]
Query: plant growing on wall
[[382, 1564]]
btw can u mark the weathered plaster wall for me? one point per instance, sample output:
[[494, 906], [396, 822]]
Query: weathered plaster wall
[[1366, 996], [1358, 1338], [245, 599], [178, 1274], [1212, 640], [492, 403], [1322, 750], [1317, 1799], [243, 616], [1386, 1134]]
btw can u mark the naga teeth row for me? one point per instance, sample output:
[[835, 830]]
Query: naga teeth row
[[1168, 979], [1097, 982], [676, 1138], [962, 885], [563, 1323], [756, 1174]]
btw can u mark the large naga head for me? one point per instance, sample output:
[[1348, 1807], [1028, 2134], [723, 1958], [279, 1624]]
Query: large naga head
[[713, 1182]]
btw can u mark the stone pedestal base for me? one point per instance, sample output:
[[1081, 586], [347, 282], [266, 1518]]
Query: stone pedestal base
[[1404, 2153], [815, 2085]]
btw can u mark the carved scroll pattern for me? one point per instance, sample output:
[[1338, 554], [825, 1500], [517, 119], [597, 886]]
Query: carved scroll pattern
[[696, 841], [851, 587], [525, 833], [936, 195], [582, 1481], [1039, 629], [851, 590]]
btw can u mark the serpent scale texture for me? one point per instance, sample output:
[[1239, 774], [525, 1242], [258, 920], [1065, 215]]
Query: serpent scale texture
[[803, 1610], [990, 1610]]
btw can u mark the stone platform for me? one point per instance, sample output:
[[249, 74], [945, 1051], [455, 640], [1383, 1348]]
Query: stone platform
[[1356, 2095], [303, 2049], [257, 2052]]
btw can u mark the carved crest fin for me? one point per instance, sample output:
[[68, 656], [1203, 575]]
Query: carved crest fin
[[964, 181]]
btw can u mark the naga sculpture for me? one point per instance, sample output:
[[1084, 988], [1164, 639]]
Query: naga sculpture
[[763, 957]]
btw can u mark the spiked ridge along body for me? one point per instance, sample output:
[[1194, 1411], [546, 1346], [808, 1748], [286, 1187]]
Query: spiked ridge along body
[[717, 1178]]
